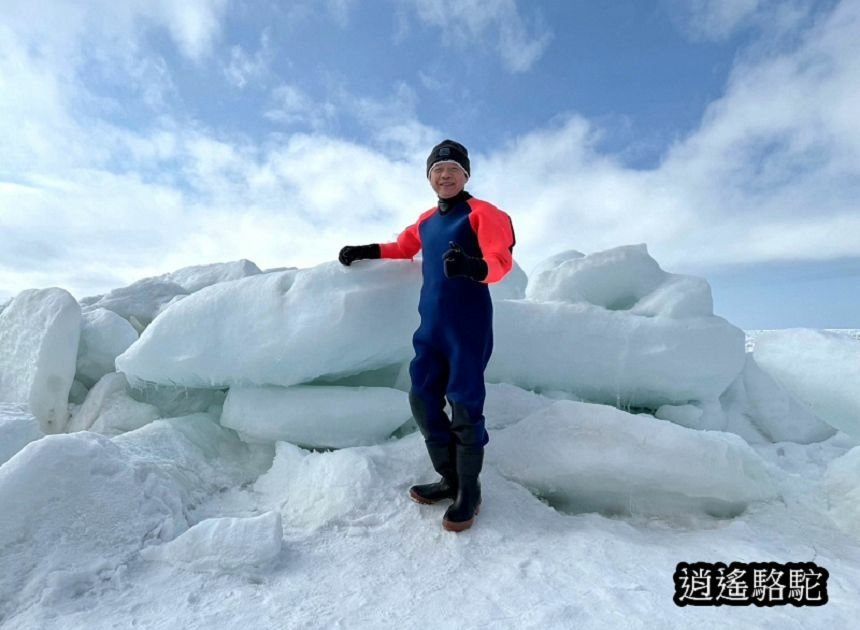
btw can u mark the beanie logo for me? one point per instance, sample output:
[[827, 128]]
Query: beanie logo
[[444, 152]]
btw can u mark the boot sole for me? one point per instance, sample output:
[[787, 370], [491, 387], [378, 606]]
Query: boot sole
[[454, 526], [419, 499], [424, 501]]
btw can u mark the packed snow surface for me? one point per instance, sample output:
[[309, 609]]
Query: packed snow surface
[[74, 511], [223, 544], [350, 529]]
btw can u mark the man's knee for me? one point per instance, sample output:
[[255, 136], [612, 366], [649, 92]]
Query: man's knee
[[431, 418]]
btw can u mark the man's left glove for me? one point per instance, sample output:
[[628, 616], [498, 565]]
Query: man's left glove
[[351, 253], [456, 262]]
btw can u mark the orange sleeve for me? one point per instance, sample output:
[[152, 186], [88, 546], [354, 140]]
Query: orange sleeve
[[496, 238], [408, 243]]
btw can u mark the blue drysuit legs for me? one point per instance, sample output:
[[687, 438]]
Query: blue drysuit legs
[[450, 364]]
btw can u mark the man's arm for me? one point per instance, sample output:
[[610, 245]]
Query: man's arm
[[496, 238], [409, 242]]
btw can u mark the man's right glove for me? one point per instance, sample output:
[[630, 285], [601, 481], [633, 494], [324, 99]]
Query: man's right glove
[[456, 262], [351, 253]]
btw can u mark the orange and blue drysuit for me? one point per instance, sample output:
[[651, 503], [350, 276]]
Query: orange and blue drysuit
[[454, 340]]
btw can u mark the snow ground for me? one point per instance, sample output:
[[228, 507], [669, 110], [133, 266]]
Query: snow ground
[[377, 560], [524, 566]]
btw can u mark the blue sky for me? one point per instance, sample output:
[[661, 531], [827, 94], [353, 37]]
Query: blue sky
[[139, 137]]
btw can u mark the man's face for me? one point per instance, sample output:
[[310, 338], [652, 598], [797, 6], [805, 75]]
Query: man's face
[[448, 179]]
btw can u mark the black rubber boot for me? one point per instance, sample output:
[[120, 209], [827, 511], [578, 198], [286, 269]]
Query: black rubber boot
[[465, 428], [461, 514], [443, 458]]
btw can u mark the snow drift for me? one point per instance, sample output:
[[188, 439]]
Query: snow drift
[[77, 507], [223, 544]]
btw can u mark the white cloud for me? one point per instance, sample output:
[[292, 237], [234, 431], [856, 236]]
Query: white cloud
[[90, 205], [296, 203], [338, 11], [563, 194], [389, 120], [431, 83], [46, 103], [290, 105], [783, 145], [194, 24], [244, 68], [717, 20], [467, 23], [773, 172], [68, 30], [713, 19]]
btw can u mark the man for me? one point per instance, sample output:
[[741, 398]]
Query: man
[[466, 244]]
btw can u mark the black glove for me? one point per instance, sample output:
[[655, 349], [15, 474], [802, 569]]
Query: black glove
[[456, 262], [351, 253]]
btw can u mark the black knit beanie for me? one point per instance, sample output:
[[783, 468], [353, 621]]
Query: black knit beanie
[[449, 151]]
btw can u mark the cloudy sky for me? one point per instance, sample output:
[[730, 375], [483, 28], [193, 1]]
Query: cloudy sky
[[141, 136]]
